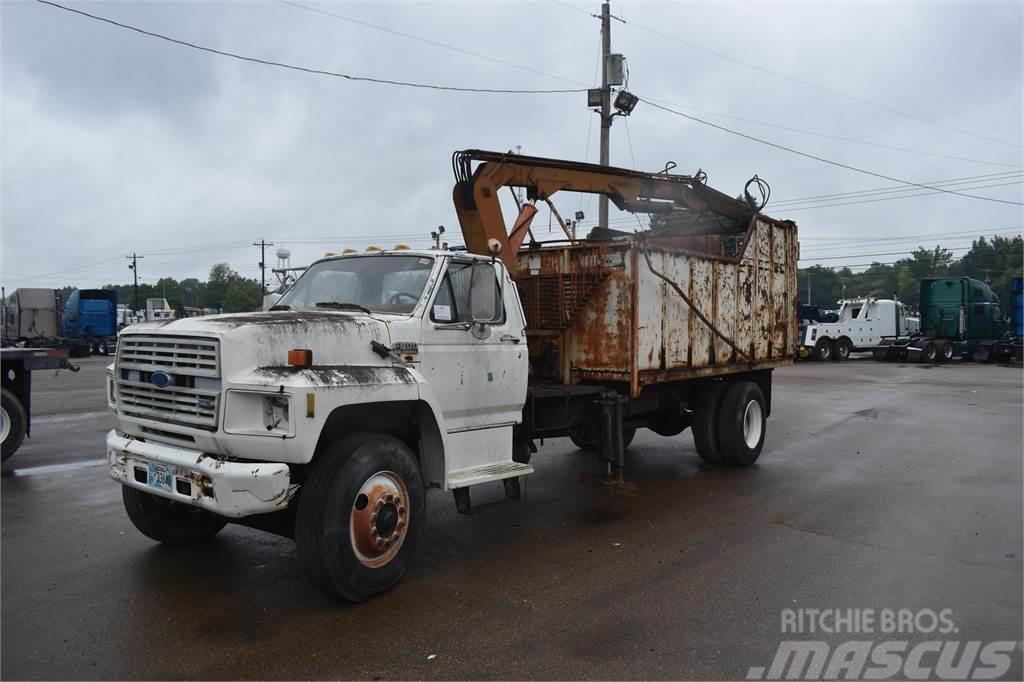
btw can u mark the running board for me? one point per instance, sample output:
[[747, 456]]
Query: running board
[[489, 472]]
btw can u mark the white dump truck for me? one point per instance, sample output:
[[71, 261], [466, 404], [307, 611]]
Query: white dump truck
[[861, 325], [379, 375]]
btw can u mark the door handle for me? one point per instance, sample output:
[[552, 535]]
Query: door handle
[[508, 338]]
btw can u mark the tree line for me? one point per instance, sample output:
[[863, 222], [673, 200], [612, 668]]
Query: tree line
[[995, 261], [224, 290]]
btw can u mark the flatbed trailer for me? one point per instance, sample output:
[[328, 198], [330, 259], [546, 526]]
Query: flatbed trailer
[[16, 413]]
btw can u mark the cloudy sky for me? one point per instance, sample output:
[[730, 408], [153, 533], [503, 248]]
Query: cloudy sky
[[114, 142]]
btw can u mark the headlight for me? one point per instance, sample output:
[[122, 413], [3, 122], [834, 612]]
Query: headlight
[[258, 414]]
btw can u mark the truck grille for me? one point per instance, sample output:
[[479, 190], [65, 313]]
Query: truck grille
[[190, 399], [194, 357]]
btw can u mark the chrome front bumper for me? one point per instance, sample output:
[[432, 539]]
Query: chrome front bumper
[[233, 489]]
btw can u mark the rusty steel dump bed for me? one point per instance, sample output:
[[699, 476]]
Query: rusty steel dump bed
[[598, 312]]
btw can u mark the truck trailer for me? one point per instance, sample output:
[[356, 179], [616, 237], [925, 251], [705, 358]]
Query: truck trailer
[[380, 374]]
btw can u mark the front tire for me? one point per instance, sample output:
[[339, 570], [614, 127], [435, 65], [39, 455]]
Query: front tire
[[742, 424], [360, 516], [171, 523]]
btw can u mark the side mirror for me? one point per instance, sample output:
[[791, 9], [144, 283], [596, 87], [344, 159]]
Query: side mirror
[[482, 299]]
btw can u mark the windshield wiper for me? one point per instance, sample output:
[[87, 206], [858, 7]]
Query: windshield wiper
[[341, 306], [280, 306]]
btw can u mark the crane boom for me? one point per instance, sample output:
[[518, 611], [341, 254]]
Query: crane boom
[[483, 224]]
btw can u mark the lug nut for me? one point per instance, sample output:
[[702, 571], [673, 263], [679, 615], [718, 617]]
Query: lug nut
[[373, 516], [389, 497], [380, 504], [373, 530], [401, 511], [380, 541], [401, 523]]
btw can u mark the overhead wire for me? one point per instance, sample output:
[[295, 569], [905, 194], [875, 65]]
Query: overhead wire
[[821, 159], [429, 41], [816, 86], [315, 71]]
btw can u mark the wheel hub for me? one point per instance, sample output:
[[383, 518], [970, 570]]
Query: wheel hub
[[379, 519], [752, 424], [5, 425]]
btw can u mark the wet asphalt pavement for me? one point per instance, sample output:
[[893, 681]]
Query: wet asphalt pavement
[[881, 486]]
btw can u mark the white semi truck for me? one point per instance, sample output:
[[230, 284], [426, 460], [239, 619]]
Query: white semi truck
[[861, 325], [379, 375]]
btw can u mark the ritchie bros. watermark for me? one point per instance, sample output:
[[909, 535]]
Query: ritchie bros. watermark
[[916, 644]]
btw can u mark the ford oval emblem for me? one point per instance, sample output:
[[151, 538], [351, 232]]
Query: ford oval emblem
[[160, 379]]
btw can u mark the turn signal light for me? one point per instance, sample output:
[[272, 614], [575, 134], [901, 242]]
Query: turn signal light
[[300, 357]]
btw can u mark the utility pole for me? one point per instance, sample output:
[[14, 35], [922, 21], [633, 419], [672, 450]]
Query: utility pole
[[134, 267], [263, 264], [606, 104], [808, 288]]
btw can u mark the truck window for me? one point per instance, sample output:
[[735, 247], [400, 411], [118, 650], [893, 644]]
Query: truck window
[[855, 313], [385, 284], [452, 301]]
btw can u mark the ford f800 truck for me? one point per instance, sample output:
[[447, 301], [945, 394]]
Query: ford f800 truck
[[379, 375]]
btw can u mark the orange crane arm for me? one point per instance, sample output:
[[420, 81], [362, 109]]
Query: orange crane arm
[[483, 225]]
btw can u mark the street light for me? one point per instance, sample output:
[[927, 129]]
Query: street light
[[625, 102]]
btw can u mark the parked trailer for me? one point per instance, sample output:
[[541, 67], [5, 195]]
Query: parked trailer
[[961, 317], [16, 412], [379, 374]]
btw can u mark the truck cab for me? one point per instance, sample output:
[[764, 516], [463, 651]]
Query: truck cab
[[228, 416]]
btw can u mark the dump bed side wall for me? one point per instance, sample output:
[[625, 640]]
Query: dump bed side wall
[[751, 302], [611, 319]]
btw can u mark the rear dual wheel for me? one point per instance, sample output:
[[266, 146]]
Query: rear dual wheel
[[729, 423]]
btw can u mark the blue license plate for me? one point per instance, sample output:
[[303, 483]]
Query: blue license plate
[[159, 476]]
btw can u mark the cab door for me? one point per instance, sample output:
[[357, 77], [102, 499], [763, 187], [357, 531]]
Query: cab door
[[476, 369]]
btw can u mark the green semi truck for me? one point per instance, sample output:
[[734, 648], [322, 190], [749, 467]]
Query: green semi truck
[[961, 317]]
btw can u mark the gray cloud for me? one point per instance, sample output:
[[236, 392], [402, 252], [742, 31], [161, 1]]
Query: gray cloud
[[113, 142]]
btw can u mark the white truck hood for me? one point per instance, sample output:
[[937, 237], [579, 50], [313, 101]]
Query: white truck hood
[[254, 340]]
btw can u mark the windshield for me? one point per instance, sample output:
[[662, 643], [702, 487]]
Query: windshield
[[380, 284]]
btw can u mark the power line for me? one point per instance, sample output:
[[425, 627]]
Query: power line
[[904, 196], [292, 67], [888, 190], [819, 158], [889, 253], [428, 41], [818, 87], [879, 145]]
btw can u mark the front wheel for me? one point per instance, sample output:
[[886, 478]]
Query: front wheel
[[360, 516], [171, 523], [742, 424]]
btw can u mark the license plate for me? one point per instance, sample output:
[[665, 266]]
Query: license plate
[[159, 476]]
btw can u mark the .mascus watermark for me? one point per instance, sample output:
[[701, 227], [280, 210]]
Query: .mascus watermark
[[921, 644]]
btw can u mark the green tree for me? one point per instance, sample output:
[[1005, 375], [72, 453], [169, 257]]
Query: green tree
[[221, 276], [242, 295], [192, 291]]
